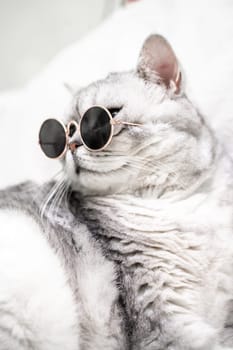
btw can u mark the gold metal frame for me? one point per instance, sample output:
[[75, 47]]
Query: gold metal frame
[[67, 130], [66, 135], [112, 122]]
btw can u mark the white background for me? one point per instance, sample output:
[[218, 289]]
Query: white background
[[200, 31], [33, 31]]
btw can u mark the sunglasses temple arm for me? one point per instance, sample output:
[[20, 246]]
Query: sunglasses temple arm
[[120, 122]]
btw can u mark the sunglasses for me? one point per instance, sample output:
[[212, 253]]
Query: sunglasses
[[96, 129]]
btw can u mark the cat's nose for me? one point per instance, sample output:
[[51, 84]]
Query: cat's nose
[[74, 145]]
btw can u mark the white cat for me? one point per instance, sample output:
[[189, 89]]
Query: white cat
[[159, 200]]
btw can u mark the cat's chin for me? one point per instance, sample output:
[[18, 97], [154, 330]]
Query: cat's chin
[[90, 188], [90, 183]]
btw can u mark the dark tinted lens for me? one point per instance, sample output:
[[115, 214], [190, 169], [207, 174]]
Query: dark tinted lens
[[52, 138], [95, 128]]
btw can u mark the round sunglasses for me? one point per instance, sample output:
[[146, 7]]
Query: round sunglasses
[[96, 129]]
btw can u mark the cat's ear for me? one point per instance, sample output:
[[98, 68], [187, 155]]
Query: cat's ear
[[158, 63]]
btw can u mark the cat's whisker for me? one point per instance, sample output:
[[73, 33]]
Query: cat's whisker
[[63, 190], [54, 203], [145, 164], [60, 172], [61, 198], [47, 199], [51, 194], [148, 165]]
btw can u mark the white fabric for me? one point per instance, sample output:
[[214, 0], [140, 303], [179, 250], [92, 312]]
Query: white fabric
[[201, 33]]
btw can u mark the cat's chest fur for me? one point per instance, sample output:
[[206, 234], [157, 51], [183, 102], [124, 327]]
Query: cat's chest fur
[[175, 257]]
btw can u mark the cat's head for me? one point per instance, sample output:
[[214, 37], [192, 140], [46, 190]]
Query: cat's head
[[171, 149]]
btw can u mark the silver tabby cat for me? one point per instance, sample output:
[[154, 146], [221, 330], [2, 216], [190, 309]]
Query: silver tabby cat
[[138, 253]]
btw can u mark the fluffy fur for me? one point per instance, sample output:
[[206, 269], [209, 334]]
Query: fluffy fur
[[33, 291], [146, 241], [66, 296]]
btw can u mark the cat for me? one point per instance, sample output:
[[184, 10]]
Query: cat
[[139, 255]]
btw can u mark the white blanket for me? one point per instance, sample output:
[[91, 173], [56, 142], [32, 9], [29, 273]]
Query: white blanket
[[201, 33]]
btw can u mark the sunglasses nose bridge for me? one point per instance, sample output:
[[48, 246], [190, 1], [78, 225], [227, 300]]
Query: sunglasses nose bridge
[[74, 140]]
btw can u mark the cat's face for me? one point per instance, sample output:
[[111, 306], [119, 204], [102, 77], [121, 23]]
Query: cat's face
[[167, 153]]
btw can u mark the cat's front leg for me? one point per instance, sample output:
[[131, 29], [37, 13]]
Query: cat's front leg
[[101, 317], [37, 306]]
